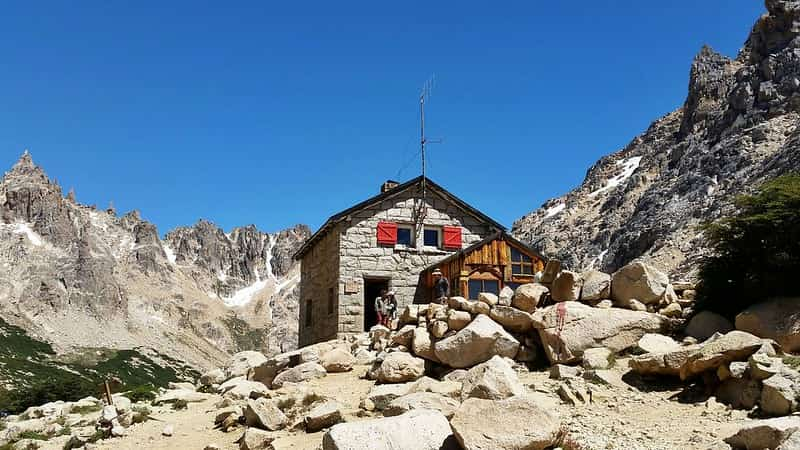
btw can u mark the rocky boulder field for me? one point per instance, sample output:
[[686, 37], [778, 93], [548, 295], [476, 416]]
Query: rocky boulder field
[[594, 361]]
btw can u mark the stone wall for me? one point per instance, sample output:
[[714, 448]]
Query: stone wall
[[362, 257], [320, 274]]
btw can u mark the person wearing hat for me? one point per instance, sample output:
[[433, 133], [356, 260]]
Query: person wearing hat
[[441, 287]]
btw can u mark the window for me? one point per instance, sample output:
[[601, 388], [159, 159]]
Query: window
[[331, 301], [431, 237], [405, 235], [308, 313], [521, 264], [477, 286]]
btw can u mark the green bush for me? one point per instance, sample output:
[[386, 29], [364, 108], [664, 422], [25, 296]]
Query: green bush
[[143, 393], [67, 388], [756, 252]]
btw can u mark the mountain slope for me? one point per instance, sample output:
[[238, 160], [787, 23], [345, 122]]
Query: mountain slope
[[78, 277], [736, 129]]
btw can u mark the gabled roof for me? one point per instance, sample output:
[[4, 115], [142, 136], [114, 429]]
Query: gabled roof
[[499, 235], [336, 218]]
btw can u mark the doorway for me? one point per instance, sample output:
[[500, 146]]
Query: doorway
[[372, 290]]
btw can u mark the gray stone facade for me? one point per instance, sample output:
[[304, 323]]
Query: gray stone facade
[[348, 254]]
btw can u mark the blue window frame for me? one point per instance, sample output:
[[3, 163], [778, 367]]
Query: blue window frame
[[405, 236], [431, 237]]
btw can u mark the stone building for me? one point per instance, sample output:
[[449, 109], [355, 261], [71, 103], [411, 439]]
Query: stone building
[[386, 242]]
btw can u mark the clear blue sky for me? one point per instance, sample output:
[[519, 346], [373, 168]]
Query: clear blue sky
[[277, 113]]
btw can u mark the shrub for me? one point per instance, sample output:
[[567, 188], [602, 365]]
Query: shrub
[[32, 435], [756, 252], [67, 388], [179, 404], [143, 393]]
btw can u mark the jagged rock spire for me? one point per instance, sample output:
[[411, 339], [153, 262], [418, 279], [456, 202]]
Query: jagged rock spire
[[25, 169]]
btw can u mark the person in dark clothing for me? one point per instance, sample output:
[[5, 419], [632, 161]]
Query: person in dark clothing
[[441, 287]]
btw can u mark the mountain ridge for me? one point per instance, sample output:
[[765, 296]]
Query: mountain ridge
[[736, 129], [82, 277]]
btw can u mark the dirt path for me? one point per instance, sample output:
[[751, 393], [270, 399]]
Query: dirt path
[[621, 416]]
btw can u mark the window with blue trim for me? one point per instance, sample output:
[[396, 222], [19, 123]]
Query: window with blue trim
[[405, 235]]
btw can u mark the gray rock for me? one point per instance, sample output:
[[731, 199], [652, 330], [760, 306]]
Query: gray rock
[[264, 414], [505, 424], [566, 287], [302, 372], [586, 327], [777, 319], [528, 296], [597, 358], [705, 323], [493, 379], [763, 434], [422, 400], [415, 430], [596, 285], [639, 281], [476, 343], [324, 414], [400, 367]]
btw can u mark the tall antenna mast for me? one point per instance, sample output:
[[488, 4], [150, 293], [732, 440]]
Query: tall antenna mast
[[426, 93]]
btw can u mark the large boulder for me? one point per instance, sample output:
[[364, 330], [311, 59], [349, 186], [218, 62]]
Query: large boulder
[[596, 285], [518, 422], [733, 346], [668, 363], [512, 319], [528, 296], [323, 414], [476, 343], [505, 297], [242, 363], [382, 394], [764, 434], [779, 395], [493, 379], [299, 373], [418, 429], [422, 400], [337, 360], [212, 377], [693, 360], [399, 367], [705, 323], [456, 320], [569, 328], [777, 319], [657, 343], [263, 413], [639, 281], [240, 389], [566, 287], [422, 345]]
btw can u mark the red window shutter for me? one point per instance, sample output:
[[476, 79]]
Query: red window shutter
[[452, 237], [387, 233]]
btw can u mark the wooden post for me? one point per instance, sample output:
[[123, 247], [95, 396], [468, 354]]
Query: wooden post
[[108, 392]]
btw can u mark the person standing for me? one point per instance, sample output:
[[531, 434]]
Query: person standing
[[380, 306], [391, 309], [441, 287]]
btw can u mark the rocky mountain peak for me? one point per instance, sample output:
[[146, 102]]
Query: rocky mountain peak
[[25, 171], [736, 129]]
